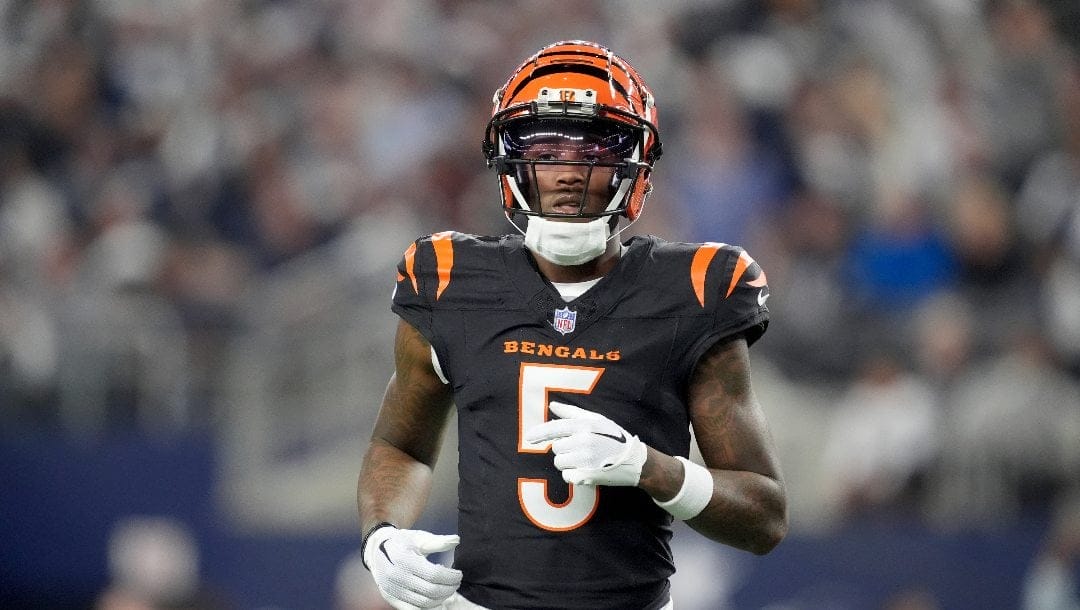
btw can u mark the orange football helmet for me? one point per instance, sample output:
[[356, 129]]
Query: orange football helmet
[[597, 108]]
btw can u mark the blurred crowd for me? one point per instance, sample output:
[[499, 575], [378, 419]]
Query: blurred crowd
[[907, 173]]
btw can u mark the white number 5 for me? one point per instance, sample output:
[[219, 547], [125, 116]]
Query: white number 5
[[534, 383]]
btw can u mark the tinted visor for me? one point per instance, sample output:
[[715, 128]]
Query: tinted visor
[[564, 139]]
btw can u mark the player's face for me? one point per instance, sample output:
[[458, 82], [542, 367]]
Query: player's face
[[571, 189], [584, 184]]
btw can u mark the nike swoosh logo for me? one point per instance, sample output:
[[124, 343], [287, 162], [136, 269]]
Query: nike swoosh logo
[[621, 438], [762, 296], [382, 547]]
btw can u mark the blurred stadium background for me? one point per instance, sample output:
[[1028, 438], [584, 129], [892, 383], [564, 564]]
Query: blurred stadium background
[[201, 203]]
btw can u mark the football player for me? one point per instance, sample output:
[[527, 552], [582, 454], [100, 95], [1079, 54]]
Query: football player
[[578, 364]]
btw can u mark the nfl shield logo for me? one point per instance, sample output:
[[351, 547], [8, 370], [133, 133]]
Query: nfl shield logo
[[565, 320]]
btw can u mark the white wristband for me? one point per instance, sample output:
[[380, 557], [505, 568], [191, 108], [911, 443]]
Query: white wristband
[[695, 493]]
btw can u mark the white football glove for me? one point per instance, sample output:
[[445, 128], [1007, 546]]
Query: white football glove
[[406, 579], [589, 448]]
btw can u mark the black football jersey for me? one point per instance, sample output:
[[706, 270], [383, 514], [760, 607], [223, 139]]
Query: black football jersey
[[508, 344]]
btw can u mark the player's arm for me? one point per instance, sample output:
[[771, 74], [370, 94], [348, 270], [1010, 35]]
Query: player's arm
[[395, 479], [748, 507], [395, 476]]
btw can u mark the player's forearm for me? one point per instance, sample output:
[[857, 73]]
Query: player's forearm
[[393, 486], [747, 510]]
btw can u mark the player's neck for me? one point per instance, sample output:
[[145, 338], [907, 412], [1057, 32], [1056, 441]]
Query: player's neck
[[597, 267]]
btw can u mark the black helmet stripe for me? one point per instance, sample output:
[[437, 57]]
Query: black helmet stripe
[[570, 67]]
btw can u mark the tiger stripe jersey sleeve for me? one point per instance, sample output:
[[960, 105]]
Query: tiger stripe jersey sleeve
[[424, 272], [730, 287], [733, 287]]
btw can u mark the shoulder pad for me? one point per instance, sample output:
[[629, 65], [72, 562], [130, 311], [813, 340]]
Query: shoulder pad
[[458, 262], [733, 269], [430, 258]]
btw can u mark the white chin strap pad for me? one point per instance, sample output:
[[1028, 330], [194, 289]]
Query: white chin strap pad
[[564, 242]]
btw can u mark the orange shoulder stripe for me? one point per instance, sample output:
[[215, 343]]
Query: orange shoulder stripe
[[699, 266], [444, 259], [410, 261], [741, 266]]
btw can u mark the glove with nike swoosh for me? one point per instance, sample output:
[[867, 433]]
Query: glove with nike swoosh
[[589, 448], [398, 563]]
